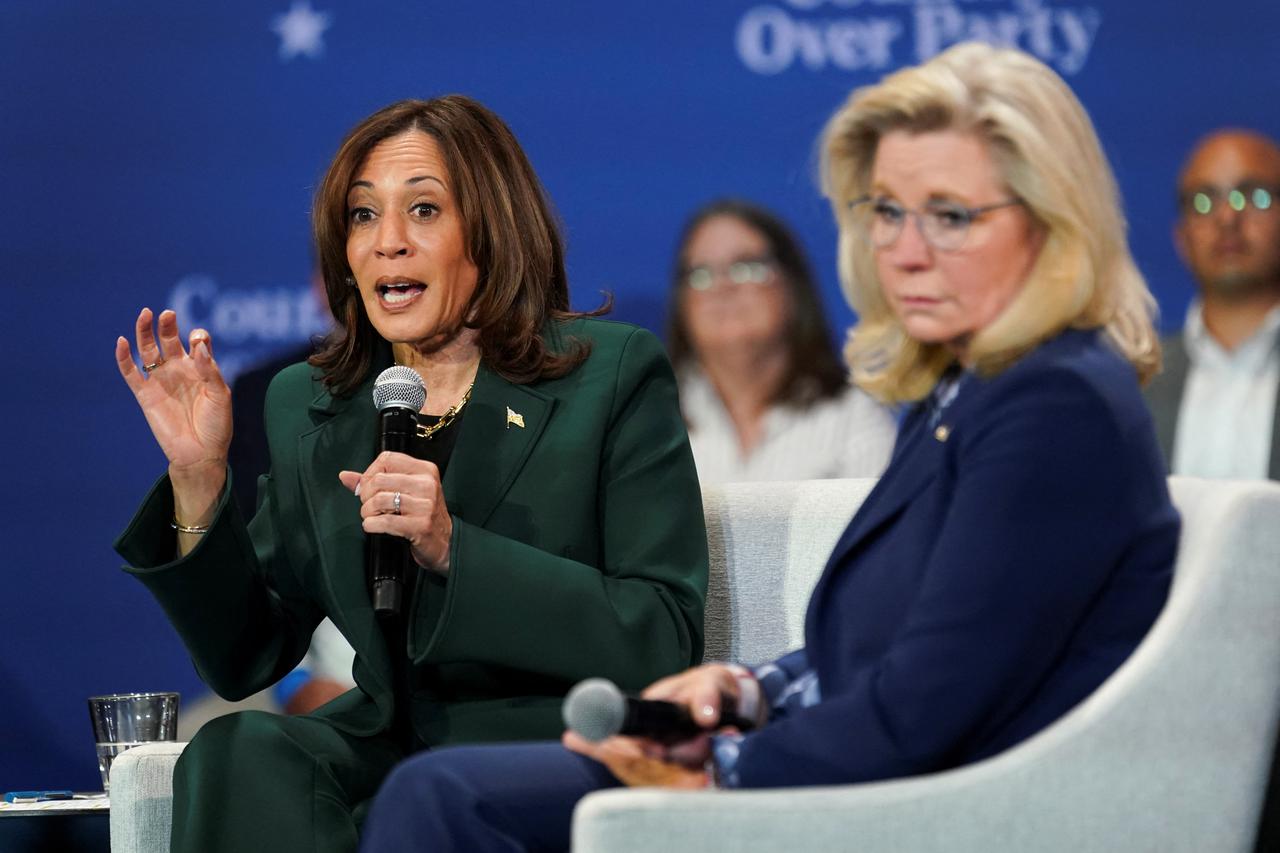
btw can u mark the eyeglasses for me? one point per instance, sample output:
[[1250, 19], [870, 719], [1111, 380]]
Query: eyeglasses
[[1205, 200], [944, 224], [745, 271]]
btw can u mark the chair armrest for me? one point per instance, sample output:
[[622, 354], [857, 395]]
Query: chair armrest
[[142, 798], [973, 809], [880, 817], [1169, 754]]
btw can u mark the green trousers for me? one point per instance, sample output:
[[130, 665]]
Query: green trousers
[[258, 781]]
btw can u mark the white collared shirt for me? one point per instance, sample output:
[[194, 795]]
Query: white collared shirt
[[850, 435], [1228, 402]]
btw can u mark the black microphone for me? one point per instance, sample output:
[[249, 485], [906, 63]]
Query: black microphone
[[597, 709], [398, 393]]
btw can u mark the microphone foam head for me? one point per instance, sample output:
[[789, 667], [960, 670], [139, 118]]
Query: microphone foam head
[[595, 709], [401, 387]]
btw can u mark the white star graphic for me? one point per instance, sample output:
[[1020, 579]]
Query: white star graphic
[[301, 31]]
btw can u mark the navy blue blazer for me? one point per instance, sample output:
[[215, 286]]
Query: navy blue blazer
[[1010, 558]]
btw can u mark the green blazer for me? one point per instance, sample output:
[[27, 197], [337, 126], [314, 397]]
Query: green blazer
[[578, 549]]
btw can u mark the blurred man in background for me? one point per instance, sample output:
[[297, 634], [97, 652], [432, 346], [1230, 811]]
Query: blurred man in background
[[1216, 404]]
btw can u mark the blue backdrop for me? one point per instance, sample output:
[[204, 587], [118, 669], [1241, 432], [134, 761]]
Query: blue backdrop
[[164, 154]]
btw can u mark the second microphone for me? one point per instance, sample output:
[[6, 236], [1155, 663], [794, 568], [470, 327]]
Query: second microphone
[[596, 709]]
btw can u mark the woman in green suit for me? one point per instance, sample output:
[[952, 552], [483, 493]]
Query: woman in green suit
[[546, 436]]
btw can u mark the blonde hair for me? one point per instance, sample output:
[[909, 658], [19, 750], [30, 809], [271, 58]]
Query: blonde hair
[[1045, 148]]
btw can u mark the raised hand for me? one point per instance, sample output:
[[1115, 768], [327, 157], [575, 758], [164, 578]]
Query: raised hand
[[187, 405]]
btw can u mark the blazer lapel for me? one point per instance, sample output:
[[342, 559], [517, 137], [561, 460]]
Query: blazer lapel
[[917, 456], [911, 468], [343, 439], [501, 426]]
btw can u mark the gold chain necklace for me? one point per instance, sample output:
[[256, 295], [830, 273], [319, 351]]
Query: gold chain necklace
[[447, 418]]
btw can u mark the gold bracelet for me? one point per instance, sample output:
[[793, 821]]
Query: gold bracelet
[[183, 528]]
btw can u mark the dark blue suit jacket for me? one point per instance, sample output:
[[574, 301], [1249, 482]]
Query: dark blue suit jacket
[[1010, 558]]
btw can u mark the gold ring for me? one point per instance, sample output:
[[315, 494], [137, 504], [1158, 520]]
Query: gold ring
[[147, 368]]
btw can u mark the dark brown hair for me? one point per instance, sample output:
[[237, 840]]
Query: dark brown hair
[[814, 370], [511, 235]]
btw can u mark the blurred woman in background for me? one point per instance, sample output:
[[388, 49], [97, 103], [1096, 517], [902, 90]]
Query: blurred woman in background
[[762, 389]]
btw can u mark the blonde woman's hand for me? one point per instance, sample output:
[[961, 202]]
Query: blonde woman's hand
[[636, 763]]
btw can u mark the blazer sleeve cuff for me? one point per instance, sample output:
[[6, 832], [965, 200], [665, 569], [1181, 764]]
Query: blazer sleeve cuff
[[149, 542]]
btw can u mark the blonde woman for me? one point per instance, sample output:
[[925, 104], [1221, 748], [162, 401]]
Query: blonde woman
[[1020, 543]]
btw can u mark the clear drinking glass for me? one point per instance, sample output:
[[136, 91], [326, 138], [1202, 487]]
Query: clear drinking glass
[[125, 720]]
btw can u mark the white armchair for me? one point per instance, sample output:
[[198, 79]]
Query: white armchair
[[774, 537], [142, 798], [1170, 754]]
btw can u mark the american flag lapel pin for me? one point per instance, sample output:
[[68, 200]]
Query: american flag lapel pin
[[514, 417]]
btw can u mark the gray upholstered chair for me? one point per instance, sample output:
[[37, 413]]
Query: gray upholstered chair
[[142, 798], [1170, 754], [768, 544]]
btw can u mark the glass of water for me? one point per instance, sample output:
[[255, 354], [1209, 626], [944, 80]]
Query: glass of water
[[125, 720]]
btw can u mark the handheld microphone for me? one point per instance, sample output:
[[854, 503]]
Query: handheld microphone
[[597, 709], [398, 394]]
